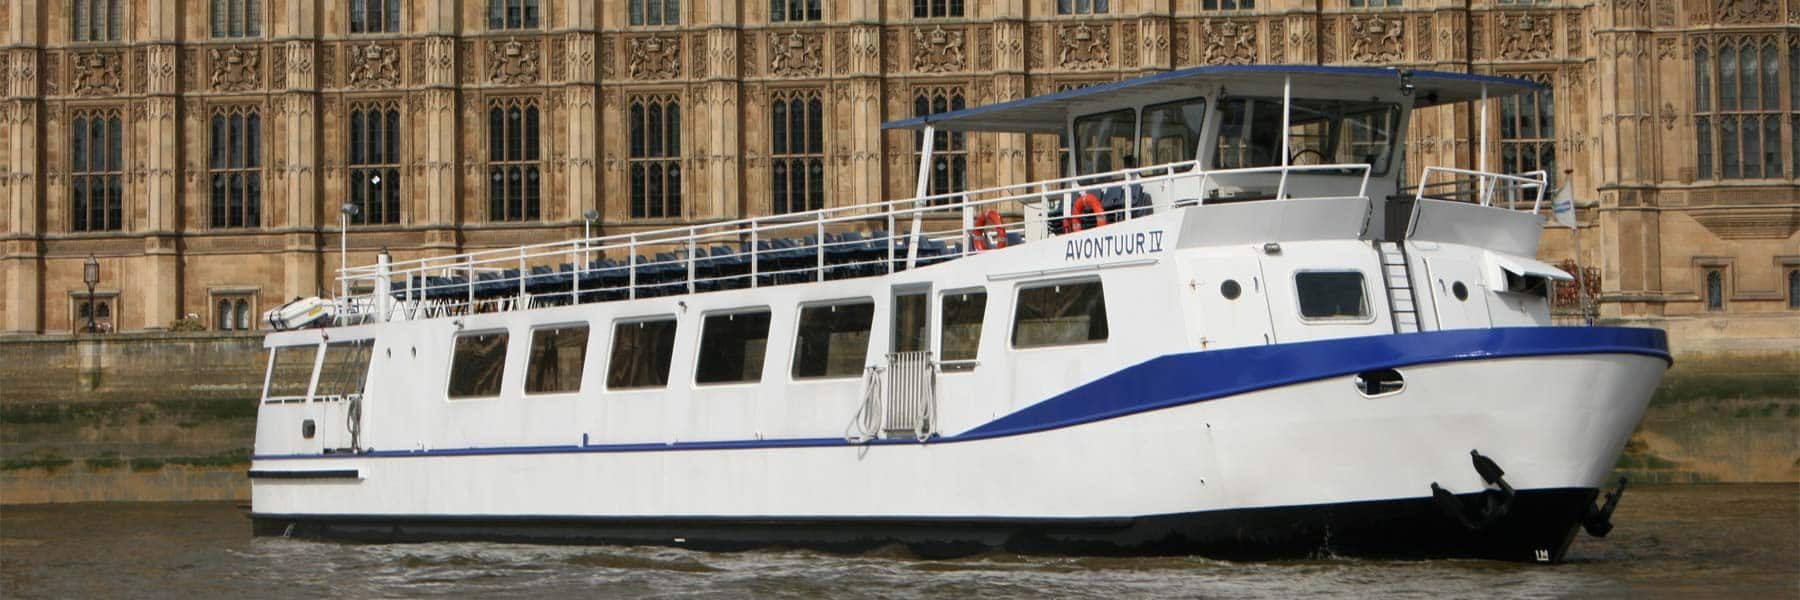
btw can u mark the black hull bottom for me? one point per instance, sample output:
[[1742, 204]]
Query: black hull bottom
[[1538, 527]]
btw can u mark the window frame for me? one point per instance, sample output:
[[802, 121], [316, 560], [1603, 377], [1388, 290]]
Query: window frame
[[612, 350], [392, 12], [1144, 134], [531, 354], [246, 119], [961, 365], [800, 323], [636, 12], [811, 11], [661, 161], [950, 149], [1712, 116], [252, 25], [1368, 303], [700, 349], [939, 9], [359, 164], [521, 150], [111, 30], [1066, 8], [499, 386], [1018, 301], [531, 15], [110, 176], [1218, 5], [813, 125]]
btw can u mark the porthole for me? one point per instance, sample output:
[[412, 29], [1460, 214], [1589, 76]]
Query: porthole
[[1379, 382], [1461, 291], [1230, 289]]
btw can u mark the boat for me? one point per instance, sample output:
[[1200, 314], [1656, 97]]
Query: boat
[[1205, 337]]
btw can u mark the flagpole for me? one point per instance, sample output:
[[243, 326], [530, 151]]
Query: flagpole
[[1580, 273]]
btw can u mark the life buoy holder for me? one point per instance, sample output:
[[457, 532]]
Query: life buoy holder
[[989, 232], [1087, 204]]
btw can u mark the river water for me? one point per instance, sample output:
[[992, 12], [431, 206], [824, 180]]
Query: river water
[[1671, 541]]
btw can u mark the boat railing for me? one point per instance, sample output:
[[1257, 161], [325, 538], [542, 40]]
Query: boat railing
[[832, 243], [1483, 188]]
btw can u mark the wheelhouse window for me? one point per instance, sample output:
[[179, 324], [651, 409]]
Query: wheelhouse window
[[374, 163], [961, 323], [514, 168], [290, 373], [235, 168], [833, 340], [95, 20], [1105, 142], [797, 151], [655, 12], [557, 356], [512, 14], [1059, 314], [96, 171], [1171, 132], [641, 353], [344, 369], [655, 161], [732, 346], [236, 18], [1332, 295], [478, 364], [1319, 132]]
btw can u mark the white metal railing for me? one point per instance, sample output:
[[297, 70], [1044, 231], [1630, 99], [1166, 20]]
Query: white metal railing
[[1485, 185], [768, 250]]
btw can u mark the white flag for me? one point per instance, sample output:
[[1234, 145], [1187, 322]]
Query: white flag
[[1563, 206]]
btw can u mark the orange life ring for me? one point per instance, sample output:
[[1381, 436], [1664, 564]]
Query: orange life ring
[[1087, 204], [989, 224]]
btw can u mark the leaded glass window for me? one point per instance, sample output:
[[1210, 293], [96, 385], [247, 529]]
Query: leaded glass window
[[234, 167], [236, 18], [797, 151], [96, 171], [655, 159], [515, 169], [374, 163], [949, 152]]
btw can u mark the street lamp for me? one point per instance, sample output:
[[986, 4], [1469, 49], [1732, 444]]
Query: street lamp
[[90, 274], [345, 212]]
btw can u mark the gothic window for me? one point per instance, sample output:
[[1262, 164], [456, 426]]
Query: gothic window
[[797, 151], [949, 154], [655, 12], [374, 163], [1737, 109], [1528, 131], [1715, 289], [375, 16], [99, 308], [512, 14], [1793, 289], [234, 167], [1082, 7], [655, 163], [1373, 3], [934, 9], [96, 171], [95, 20], [236, 18], [514, 169], [795, 10], [232, 312], [1228, 5]]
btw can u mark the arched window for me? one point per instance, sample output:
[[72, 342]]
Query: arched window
[[374, 161], [96, 171], [949, 155], [236, 18], [235, 167], [797, 151], [223, 319], [242, 308], [1715, 289], [655, 160], [94, 20], [1793, 287], [514, 170]]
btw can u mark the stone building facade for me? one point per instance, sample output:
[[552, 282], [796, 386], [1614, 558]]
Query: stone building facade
[[200, 149]]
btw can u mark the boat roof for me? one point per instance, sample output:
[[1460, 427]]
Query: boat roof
[[1049, 113]]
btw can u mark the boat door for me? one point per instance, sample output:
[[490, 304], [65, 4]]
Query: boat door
[[1457, 292], [1231, 301], [911, 377]]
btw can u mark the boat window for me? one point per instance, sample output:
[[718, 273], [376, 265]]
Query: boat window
[[732, 346], [1320, 132], [292, 371], [1104, 141], [641, 353], [478, 364], [833, 340], [1332, 295], [961, 322], [1171, 132], [1059, 314], [557, 355], [1530, 285], [911, 331], [345, 368]]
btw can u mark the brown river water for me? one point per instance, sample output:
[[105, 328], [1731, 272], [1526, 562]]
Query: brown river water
[[1706, 541]]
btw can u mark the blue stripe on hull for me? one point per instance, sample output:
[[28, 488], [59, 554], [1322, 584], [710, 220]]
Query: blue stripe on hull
[[1180, 379]]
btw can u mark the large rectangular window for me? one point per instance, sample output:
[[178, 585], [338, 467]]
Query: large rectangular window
[[1737, 108], [512, 14], [1105, 142], [236, 18], [1059, 314], [291, 371], [961, 323], [641, 353], [557, 355], [95, 20], [1171, 132], [655, 159], [654, 12], [96, 171], [796, 10], [1332, 295], [374, 163], [375, 16], [1082, 7], [797, 151], [478, 365], [833, 340], [514, 168], [1319, 132], [1528, 131], [235, 167], [933, 9], [949, 152], [344, 369], [732, 346]]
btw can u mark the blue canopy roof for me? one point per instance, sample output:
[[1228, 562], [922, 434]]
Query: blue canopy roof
[[1049, 112]]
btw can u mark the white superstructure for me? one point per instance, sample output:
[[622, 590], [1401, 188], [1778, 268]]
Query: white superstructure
[[1252, 344]]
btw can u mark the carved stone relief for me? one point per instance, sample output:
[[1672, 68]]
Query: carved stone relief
[[1183, 42], [938, 50], [1375, 39], [512, 62], [1422, 43], [1525, 36], [655, 57], [1576, 35], [95, 73], [1746, 11], [374, 66], [1082, 47], [796, 54], [1228, 42], [236, 68], [1328, 41], [1277, 51]]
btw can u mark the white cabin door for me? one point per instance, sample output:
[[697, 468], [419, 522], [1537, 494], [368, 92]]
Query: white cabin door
[[1231, 299], [1457, 292], [911, 384]]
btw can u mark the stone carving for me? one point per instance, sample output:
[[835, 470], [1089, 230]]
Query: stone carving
[[1525, 36], [512, 62], [1128, 54], [1422, 43], [236, 69], [1228, 43], [1183, 42], [1277, 52], [1083, 47], [1668, 116], [796, 55], [1375, 40], [1576, 36], [938, 51], [1746, 11], [138, 74], [374, 66], [1328, 41], [440, 52], [95, 74], [655, 57]]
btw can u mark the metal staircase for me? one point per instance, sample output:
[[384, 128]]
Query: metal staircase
[[1396, 274]]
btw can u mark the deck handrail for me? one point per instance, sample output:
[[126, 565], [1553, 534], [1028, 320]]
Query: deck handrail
[[1487, 180]]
